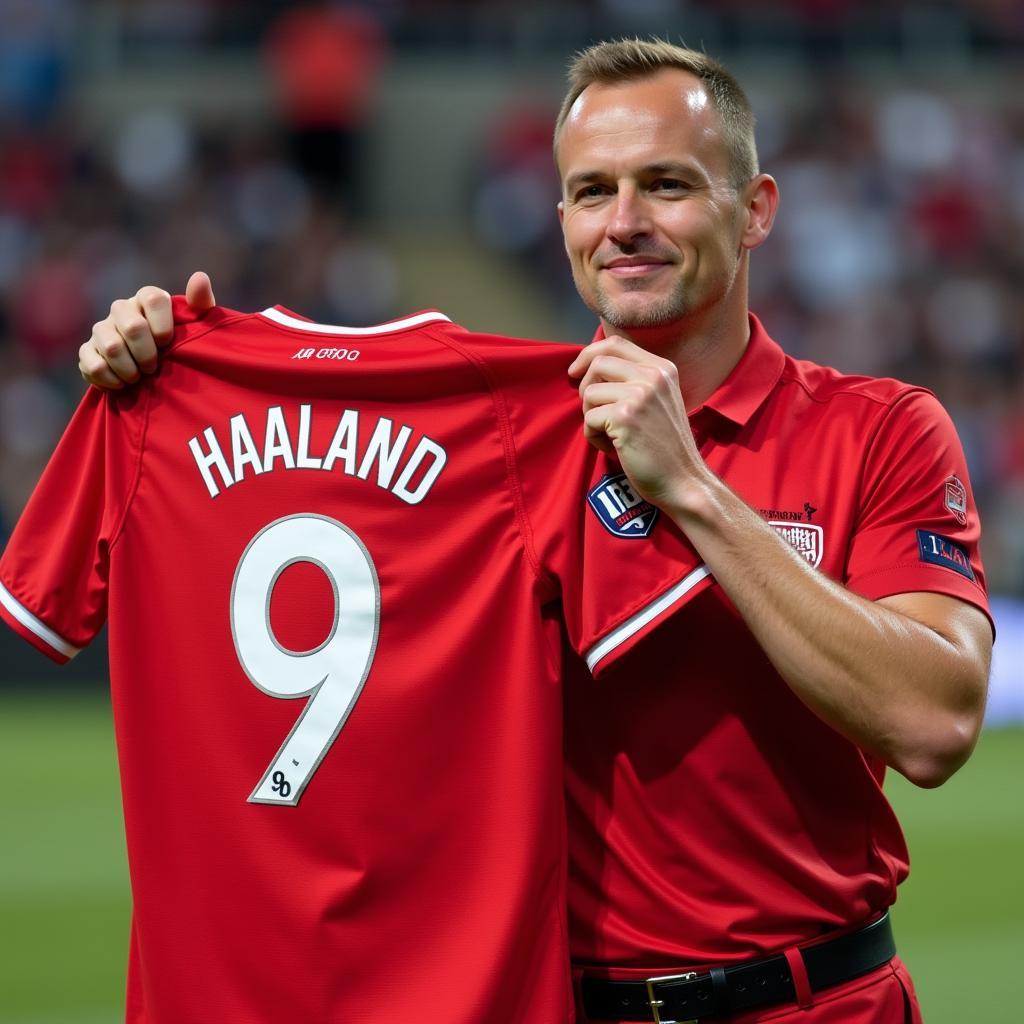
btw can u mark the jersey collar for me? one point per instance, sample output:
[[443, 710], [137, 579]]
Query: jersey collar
[[751, 381], [286, 318]]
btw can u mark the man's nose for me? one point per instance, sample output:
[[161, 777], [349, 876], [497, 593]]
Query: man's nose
[[630, 217]]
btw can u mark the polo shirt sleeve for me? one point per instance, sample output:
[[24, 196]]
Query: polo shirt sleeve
[[917, 527], [54, 571], [627, 567], [617, 564]]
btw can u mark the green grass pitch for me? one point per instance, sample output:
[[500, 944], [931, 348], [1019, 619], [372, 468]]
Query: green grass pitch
[[64, 903]]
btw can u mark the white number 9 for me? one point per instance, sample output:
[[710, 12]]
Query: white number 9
[[331, 675]]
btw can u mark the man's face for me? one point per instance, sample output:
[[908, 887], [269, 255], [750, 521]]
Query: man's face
[[651, 221]]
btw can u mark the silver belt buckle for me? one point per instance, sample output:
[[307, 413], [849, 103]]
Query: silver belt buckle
[[655, 1004]]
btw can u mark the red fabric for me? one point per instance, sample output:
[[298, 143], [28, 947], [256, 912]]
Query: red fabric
[[713, 817], [423, 865]]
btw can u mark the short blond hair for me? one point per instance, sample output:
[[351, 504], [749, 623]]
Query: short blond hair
[[626, 60]]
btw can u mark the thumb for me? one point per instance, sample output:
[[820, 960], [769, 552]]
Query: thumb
[[199, 292]]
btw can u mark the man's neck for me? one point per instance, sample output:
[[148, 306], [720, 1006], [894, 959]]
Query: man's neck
[[705, 349]]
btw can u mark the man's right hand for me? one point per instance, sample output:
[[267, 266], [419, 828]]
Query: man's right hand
[[125, 345]]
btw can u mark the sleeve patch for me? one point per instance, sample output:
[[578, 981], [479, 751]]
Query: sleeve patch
[[939, 550], [620, 509], [956, 500]]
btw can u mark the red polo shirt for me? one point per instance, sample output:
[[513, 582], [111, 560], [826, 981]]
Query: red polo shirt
[[712, 815]]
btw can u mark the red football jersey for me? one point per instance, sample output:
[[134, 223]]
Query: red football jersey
[[712, 815], [337, 566]]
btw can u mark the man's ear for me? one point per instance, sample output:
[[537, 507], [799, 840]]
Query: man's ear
[[760, 199]]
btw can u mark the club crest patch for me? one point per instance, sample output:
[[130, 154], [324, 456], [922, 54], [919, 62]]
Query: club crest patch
[[939, 550], [956, 500], [621, 510], [806, 539]]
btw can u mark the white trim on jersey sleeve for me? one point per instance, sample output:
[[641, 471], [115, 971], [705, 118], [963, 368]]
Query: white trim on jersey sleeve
[[617, 637], [36, 626], [396, 325]]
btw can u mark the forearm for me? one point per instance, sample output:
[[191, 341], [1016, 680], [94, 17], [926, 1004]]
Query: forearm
[[903, 677], [894, 686]]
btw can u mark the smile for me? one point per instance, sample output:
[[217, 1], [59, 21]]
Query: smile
[[634, 268]]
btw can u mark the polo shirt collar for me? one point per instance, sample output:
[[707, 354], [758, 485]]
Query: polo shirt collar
[[751, 381]]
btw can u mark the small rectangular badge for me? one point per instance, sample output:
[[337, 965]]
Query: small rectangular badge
[[941, 550]]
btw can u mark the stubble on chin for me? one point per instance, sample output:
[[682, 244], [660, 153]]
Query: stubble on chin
[[626, 316]]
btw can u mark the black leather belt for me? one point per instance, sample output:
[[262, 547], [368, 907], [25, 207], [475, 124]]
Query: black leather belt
[[721, 991]]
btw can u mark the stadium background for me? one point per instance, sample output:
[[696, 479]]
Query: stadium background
[[141, 140]]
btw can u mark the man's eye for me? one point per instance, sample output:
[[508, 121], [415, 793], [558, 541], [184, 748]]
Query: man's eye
[[592, 192], [668, 185]]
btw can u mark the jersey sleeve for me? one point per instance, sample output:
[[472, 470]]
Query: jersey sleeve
[[917, 527], [620, 565], [54, 571]]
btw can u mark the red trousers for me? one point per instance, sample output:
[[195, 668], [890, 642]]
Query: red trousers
[[884, 996]]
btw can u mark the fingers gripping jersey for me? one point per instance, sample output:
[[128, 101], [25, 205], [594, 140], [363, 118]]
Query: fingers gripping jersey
[[337, 567]]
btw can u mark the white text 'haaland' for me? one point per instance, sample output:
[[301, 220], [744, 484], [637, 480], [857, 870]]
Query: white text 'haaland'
[[356, 449]]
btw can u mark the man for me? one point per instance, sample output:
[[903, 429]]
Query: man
[[725, 806]]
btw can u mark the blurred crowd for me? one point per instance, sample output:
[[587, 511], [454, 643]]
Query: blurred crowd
[[897, 250]]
